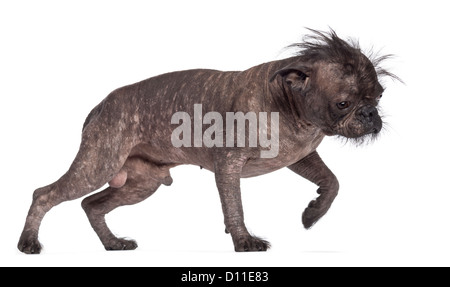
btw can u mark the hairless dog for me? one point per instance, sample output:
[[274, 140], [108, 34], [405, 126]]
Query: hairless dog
[[236, 124]]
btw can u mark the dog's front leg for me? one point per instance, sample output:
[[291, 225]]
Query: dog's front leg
[[228, 174], [314, 169]]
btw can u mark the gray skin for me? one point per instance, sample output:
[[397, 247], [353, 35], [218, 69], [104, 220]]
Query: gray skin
[[126, 139]]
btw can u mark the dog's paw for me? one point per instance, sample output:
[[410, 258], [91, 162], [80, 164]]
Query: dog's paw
[[29, 243], [312, 214], [316, 210], [121, 244], [250, 243]]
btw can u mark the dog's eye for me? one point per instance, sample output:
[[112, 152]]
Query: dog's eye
[[379, 97], [343, 105]]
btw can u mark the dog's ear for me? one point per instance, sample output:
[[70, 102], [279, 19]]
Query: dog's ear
[[296, 76]]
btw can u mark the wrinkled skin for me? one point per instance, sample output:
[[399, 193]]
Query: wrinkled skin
[[126, 140]]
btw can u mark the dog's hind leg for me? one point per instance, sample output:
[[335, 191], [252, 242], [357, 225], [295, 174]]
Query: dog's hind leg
[[99, 159], [137, 180]]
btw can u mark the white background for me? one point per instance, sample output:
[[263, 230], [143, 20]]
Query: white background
[[58, 59]]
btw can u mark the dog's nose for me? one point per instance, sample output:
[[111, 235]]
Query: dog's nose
[[368, 112], [369, 118]]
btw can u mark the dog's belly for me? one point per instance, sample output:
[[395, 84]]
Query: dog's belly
[[163, 155], [204, 158]]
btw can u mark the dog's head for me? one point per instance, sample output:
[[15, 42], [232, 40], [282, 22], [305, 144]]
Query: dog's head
[[335, 87]]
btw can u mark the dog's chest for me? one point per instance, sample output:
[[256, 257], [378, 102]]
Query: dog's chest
[[291, 150]]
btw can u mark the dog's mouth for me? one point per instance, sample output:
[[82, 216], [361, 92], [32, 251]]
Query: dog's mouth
[[357, 131], [359, 126], [363, 122]]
